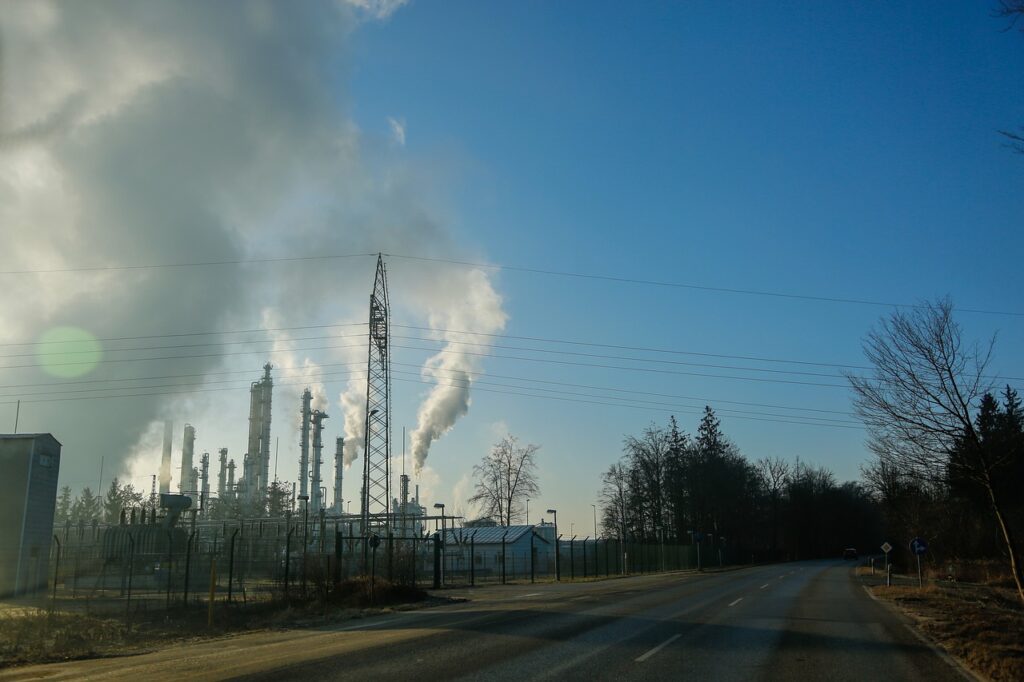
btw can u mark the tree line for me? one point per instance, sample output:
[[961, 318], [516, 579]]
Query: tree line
[[675, 487]]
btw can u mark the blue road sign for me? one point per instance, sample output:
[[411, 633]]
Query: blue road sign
[[918, 546]]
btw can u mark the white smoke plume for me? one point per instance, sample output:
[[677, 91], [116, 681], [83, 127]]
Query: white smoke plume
[[455, 367], [137, 132]]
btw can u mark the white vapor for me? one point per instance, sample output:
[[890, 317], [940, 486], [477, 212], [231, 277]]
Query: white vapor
[[454, 368], [397, 131], [138, 132]]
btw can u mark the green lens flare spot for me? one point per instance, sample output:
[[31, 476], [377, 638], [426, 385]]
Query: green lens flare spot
[[68, 352]]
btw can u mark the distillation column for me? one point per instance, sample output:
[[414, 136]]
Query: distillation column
[[339, 472], [317, 498], [188, 443], [307, 398], [165, 461]]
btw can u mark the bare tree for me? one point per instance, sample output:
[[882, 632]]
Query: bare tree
[[504, 478], [920, 402], [614, 498], [1012, 10], [774, 473]]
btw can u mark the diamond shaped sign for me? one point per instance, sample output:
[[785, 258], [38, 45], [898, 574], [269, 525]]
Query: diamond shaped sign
[[886, 547]]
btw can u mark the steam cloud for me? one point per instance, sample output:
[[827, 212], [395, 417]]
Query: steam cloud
[[149, 132], [454, 368]]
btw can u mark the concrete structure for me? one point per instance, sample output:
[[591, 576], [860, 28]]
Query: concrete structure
[[165, 461], [31, 465]]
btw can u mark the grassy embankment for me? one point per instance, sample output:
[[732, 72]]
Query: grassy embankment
[[38, 635]]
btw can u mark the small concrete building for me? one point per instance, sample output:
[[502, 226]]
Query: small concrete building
[[31, 465], [486, 552]]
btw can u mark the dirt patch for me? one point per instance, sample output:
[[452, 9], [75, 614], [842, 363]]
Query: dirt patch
[[981, 625], [35, 635]]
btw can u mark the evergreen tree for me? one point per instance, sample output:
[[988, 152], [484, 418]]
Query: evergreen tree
[[64, 502], [87, 507]]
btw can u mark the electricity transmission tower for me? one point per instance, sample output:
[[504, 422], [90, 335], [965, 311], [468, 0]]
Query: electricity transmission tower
[[377, 444]]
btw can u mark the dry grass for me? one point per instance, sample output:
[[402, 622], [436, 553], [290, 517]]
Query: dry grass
[[31, 635], [981, 625]]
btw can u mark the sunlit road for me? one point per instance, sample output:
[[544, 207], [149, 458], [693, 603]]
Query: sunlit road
[[804, 621]]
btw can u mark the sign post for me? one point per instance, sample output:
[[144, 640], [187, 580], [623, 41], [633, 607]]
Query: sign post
[[886, 548], [919, 547]]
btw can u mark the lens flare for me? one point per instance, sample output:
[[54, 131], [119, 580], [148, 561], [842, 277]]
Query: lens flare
[[67, 352]]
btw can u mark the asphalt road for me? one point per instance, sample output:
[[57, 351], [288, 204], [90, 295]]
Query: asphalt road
[[804, 621]]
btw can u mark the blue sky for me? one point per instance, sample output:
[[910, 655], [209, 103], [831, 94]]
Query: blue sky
[[822, 149], [811, 148]]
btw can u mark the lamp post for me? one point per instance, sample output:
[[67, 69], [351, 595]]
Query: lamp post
[[595, 521], [440, 505], [558, 570], [527, 511]]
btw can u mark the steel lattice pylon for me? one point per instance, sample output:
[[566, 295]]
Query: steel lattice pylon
[[377, 443]]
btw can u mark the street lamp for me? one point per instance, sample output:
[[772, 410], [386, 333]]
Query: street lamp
[[558, 569], [595, 521], [527, 511], [440, 505]]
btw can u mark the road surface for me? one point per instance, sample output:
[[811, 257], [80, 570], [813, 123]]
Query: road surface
[[802, 621]]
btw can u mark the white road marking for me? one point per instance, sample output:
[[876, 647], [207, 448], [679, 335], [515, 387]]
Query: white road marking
[[644, 657], [367, 625], [736, 602], [532, 594], [764, 586]]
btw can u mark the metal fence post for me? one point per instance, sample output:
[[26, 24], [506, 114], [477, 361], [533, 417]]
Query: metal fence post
[[572, 558], [131, 561], [287, 558], [532, 562], [503, 557], [170, 563], [188, 564], [472, 559], [231, 564], [56, 568]]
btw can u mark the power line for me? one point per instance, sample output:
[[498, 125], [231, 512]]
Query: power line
[[511, 268], [304, 372], [194, 264], [623, 390], [680, 285], [183, 334], [681, 410]]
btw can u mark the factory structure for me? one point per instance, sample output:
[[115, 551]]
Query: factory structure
[[256, 492]]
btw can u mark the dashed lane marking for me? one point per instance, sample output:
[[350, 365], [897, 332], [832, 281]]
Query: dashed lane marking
[[644, 657], [736, 602], [764, 586]]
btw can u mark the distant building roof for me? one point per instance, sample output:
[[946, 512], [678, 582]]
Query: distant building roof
[[490, 535], [29, 436]]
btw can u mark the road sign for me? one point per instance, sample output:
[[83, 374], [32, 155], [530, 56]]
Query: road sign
[[886, 547], [918, 546]]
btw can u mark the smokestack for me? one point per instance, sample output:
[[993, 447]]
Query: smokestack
[[204, 477], [404, 486], [221, 473], [257, 470], [231, 478], [188, 443], [307, 397], [268, 385], [318, 418], [246, 472], [417, 493], [339, 472], [165, 462]]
